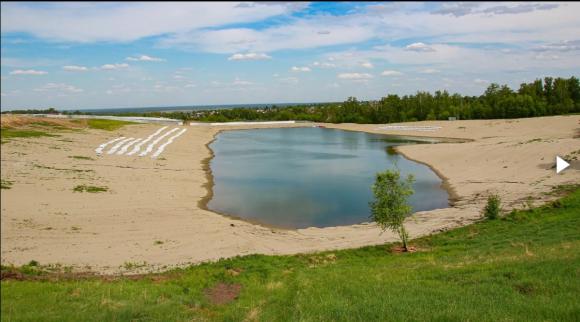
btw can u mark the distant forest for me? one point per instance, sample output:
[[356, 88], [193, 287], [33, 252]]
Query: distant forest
[[550, 96]]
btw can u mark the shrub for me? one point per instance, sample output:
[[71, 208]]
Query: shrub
[[492, 209]]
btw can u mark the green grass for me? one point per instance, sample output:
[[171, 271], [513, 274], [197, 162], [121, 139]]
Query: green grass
[[91, 189], [6, 134], [522, 267], [5, 184], [108, 125]]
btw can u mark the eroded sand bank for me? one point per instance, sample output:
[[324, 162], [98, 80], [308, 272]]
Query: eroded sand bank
[[152, 212]]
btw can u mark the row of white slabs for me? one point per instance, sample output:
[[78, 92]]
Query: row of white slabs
[[130, 146], [409, 128]]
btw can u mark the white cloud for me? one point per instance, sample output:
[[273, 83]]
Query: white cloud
[[239, 82], [59, 87], [459, 59], [391, 73], [249, 56], [189, 85], [355, 76], [28, 72], [122, 22], [145, 58], [236, 84], [366, 64], [300, 69], [114, 66], [419, 47], [323, 64], [163, 88], [522, 8], [480, 81], [18, 62], [565, 45], [2, 94], [301, 34], [429, 71], [545, 56], [459, 9], [74, 68], [289, 80]]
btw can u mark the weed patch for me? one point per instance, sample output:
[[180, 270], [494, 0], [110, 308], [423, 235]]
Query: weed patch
[[90, 189]]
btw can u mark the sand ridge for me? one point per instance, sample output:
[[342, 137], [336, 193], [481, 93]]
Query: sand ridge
[[152, 213]]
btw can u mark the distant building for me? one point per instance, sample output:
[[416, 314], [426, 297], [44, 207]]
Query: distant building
[[452, 118]]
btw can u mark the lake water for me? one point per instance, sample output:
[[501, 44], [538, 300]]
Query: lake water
[[309, 177]]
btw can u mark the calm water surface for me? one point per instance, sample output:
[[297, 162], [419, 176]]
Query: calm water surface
[[309, 177]]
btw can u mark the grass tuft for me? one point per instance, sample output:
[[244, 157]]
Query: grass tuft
[[5, 184], [90, 189]]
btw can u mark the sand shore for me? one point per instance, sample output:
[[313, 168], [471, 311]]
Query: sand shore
[[152, 214]]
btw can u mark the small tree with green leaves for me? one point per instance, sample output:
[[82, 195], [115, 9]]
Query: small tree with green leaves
[[391, 206], [492, 209]]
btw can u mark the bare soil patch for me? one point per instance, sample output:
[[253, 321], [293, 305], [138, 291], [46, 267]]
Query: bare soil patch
[[223, 293]]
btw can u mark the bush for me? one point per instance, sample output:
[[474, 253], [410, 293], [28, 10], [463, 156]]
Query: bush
[[493, 208]]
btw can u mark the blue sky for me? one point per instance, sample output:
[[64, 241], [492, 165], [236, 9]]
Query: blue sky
[[99, 55]]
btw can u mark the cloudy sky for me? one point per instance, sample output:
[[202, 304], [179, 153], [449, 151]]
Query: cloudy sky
[[99, 55]]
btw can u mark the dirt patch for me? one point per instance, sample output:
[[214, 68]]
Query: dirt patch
[[400, 249], [17, 276], [20, 121], [223, 293]]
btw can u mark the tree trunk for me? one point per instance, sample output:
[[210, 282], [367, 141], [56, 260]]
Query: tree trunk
[[404, 236]]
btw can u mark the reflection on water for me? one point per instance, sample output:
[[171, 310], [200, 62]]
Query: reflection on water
[[304, 177]]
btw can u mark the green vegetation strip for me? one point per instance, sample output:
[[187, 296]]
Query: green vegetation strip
[[108, 125], [91, 189], [7, 134], [521, 267]]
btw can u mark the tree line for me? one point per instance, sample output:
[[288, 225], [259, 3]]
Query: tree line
[[548, 96]]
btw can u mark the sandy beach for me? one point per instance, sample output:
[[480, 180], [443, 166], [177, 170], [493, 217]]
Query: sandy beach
[[153, 216]]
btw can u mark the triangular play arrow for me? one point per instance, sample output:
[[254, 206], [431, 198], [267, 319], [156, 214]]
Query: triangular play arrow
[[561, 164]]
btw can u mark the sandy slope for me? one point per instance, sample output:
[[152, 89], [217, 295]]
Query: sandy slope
[[158, 200]]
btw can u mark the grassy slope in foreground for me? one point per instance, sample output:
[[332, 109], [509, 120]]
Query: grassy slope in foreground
[[524, 267]]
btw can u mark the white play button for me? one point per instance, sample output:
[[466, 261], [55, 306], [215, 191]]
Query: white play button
[[561, 164]]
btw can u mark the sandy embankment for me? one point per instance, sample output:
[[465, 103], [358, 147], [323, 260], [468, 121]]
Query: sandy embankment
[[152, 212]]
